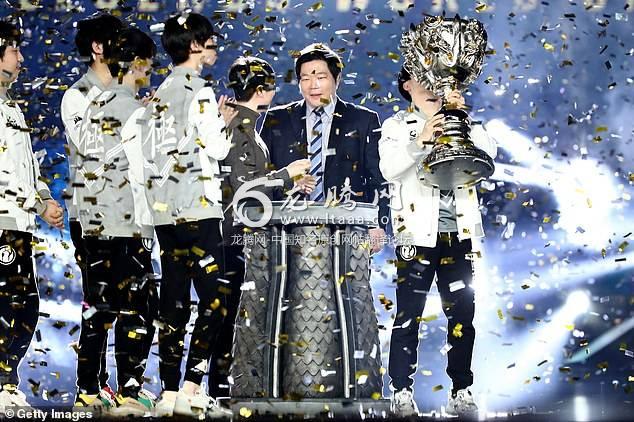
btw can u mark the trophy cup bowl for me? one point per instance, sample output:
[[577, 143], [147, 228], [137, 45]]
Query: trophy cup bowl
[[445, 54]]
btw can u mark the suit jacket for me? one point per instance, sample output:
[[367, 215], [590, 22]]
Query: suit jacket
[[353, 142]]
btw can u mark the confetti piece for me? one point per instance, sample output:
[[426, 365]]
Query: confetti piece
[[437, 388], [456, 285], [159, 207], [445, 349], [457, 330]]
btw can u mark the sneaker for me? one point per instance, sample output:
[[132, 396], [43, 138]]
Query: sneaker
[[108, 397], [216, 411], [462, 404], [403, 403], [10, 396], [148, 395], [91, 402], [130, 406], [200, 405], [165, 405]]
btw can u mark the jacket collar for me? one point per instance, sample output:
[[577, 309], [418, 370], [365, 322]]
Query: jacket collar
[[182, 70], [121, 89], [94, 80], [246, 118]]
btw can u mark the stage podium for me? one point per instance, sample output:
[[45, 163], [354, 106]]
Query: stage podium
[[306, 339]]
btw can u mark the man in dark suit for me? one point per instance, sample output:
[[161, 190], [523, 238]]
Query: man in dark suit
[[340, 138]]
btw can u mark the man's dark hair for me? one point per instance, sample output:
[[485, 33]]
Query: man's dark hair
[[129, 44], [181, 30], [404, 76], [249, 74], [101, 29], [9, 35], [319, 51]]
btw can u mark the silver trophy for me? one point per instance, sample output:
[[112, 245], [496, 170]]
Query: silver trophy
[[444, 54]]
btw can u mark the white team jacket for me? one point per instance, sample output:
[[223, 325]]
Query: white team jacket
[[22, 193], [74, 104], [414, 206]]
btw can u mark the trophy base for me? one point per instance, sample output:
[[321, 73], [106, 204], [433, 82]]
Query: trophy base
[[448, 168]]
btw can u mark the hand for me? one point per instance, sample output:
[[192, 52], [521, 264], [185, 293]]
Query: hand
[[298, 168], [377, 239], [53, 214], [433, 128], [455, 99], [148, 97], [227, 109], [306, 184]]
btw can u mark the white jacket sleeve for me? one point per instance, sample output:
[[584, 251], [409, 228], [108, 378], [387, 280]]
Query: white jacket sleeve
[[13, 188], [205, 116], [74, 105], [131, 136], [482, 140], [397, 153]]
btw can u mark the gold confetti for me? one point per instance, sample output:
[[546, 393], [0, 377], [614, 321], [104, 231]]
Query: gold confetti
[[428, 318], [437, 388], [317, 6], [245, 412], [457, 330], [500, 314], [197, 251], [211, 268], [548, 47], [393, 56], [481, 7], [376, 395], [160, 207], [215, 304]]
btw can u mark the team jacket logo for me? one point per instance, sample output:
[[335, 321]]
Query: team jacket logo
[[7, 255], [407, 252], [147, 244]]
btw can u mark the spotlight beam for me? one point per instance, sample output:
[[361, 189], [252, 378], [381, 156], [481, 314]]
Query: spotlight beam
[[602, 341]]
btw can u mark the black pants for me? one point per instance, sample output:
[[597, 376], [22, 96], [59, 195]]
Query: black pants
[[80, 258], [19, 302], [190, 251], [416, 269], [117, 285], [221, 357]]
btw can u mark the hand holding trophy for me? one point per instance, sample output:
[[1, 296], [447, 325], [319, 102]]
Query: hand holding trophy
[[445, 55]]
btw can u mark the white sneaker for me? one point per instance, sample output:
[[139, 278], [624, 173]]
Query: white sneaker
[[462, 404], [200, 406], [403, 403], [165, 405], [131, 407], [215, 411]]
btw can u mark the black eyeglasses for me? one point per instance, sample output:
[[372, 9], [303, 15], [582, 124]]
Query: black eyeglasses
[[211, 47]]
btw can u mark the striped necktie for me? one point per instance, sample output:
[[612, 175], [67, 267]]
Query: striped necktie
[[314, 152]]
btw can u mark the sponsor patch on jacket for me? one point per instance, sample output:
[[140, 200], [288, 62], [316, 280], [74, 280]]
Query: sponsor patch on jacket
[[407, 252], [7, 255]]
